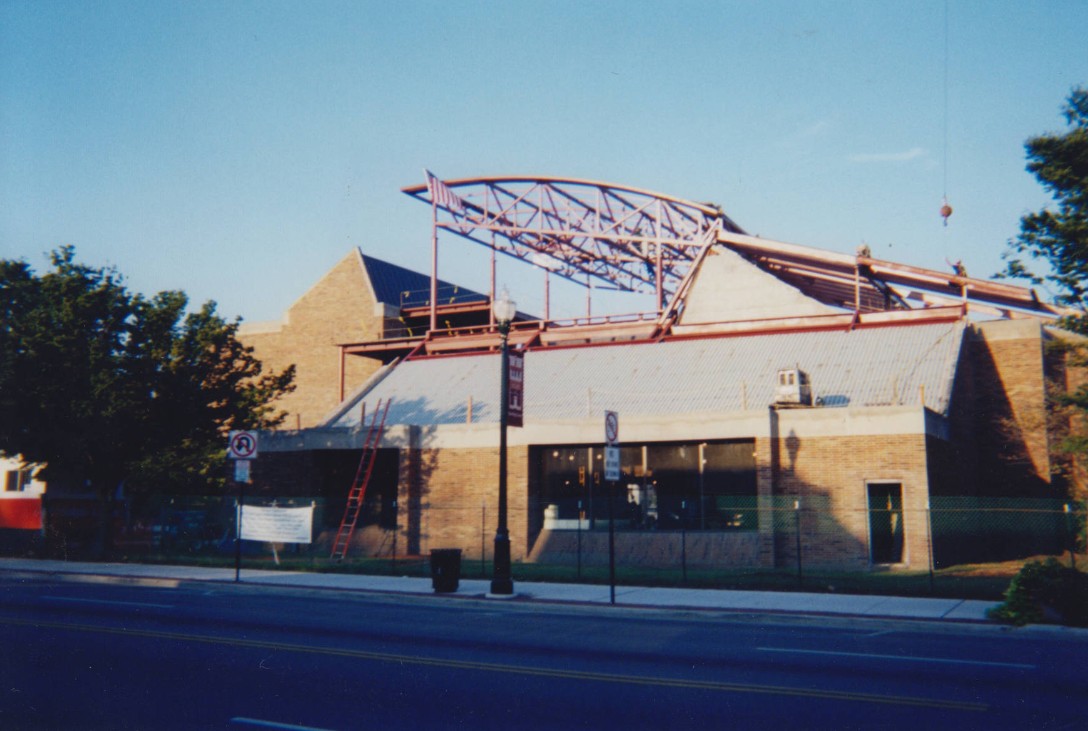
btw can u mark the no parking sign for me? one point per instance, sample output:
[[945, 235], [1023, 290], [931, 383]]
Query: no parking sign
[[611, 449]]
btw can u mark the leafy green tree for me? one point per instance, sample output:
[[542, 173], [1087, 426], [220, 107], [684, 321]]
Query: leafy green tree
[[104, 386]]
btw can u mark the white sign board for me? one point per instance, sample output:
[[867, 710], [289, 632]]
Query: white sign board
[[277, 525], [612, 464], [241, 470], [242, 445]]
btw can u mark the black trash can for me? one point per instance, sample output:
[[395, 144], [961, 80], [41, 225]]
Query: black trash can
[[445, 569]]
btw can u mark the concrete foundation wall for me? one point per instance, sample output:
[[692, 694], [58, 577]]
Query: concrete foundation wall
[[659, 550]]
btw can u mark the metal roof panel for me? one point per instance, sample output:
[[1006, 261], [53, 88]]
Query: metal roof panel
[[873, 366]]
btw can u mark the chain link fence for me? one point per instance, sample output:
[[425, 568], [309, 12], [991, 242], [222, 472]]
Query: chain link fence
[[780, 542]]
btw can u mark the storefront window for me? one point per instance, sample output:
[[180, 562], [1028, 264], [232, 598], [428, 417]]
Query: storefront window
[[729, 486], [565, 473], [692, 486]]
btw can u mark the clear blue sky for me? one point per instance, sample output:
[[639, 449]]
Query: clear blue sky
[[238, 150]]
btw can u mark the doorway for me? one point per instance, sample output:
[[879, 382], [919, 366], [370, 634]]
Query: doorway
[[885, 522]]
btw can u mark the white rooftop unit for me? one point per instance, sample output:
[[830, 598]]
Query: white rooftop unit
[[793, 388]]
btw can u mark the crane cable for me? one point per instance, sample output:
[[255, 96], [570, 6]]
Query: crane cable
[[946, 210]]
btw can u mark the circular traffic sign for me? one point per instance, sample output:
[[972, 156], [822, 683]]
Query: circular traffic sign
[[243, 445], [611, 427]]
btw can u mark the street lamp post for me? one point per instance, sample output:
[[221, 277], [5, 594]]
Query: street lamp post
[[504, 310]]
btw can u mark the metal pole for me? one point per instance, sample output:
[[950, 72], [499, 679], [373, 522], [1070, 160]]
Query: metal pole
[[589, 299], [797, 524], [929, 541], [590, 486], [396, 529], [547, 295], [579, 539], [501, 582], [434, 259], [702, 486], [1071, 532], [612, 541], [491, 290], [659, 277], [684, 540], [238, 533]]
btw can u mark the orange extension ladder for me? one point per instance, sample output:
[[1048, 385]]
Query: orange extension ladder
[[358, 486]]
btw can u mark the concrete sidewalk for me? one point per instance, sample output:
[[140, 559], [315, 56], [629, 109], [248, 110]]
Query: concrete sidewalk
[[961, 610]]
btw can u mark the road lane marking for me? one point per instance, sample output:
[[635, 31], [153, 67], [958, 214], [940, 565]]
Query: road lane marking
[[904, 658], [110, 602], [274, 724], [75, 578], [386, 657]]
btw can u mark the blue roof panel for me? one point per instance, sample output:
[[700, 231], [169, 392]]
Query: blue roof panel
[[396, 285]]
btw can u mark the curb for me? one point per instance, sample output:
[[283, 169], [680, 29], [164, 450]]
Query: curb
[[270, 579]]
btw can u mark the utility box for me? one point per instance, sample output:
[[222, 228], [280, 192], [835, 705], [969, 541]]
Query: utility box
[[793, 388]]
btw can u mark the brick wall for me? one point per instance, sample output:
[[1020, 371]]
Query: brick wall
[[452, 496], [1067, 372], [999, 417], [338, 309], [829, 477]]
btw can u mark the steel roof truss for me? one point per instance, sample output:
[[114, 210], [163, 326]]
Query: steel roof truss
[[631, 240]]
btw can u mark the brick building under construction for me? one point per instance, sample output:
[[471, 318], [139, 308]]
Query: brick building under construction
[[776, 399]]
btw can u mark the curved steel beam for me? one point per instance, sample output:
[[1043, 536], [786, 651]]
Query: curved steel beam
[[627, 238]]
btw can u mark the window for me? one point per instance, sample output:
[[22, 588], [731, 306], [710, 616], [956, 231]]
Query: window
[[729, 486], [709, 486], [16, 480], [566, 473]]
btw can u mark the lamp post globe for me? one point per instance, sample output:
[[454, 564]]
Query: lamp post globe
[[504, 310]]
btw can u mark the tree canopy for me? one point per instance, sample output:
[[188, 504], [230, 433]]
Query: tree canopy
[[1058, 236], [104, 386]]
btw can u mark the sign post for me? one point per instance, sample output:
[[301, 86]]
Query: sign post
[[242, 448], [611, 476]]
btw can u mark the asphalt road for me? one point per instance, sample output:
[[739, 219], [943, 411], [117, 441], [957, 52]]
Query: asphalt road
[[89, 655]]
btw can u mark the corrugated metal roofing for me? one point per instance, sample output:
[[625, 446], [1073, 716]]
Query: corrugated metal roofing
[[864, 367], [402, 287]]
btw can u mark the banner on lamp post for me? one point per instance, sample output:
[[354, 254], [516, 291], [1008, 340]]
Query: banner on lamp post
[[516, 392]]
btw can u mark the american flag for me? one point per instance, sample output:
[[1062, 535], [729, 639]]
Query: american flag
[[442, 195]]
